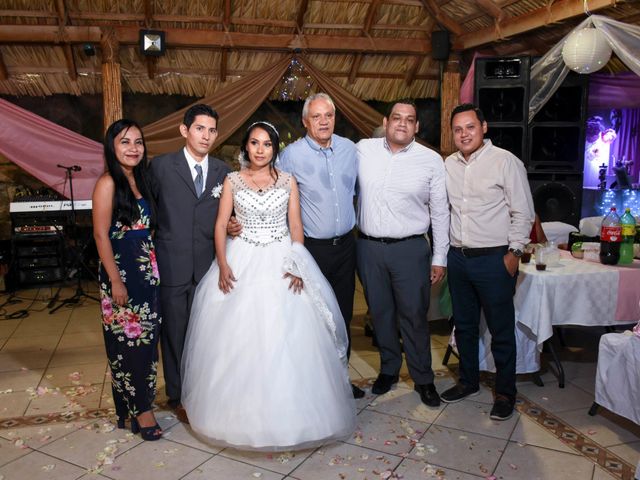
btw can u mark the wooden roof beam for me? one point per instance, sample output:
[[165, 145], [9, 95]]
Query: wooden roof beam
[[152, 66], [223, 65], [508, 27], [226, 19], [48, 34], [366, 29], [69, 58], [189, 38], [304, 5], [441, 17], [354, 68], [148, 13], [371, 16], [410, 76], [71, 62], [61, 10], [490, 8], [208, 72]]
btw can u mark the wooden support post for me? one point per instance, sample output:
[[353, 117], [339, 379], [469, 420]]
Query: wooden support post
[[4, 73], [449, 99], [111, 79]]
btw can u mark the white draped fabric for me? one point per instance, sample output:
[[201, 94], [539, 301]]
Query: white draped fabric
[[618, 378], [548, 73]]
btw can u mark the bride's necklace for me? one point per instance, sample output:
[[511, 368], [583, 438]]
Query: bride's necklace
[[260, 188]]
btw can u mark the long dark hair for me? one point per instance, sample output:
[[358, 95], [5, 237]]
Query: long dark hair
[[275, 142], [125, 205]]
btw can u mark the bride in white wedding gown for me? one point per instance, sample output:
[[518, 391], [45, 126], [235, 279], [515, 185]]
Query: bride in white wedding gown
[[264, 364]]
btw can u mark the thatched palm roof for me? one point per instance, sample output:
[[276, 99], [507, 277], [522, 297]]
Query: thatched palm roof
[[377, 49]]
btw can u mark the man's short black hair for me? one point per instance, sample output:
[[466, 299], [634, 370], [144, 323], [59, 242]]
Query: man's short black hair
[[403, 101], [198, 109], [467, 107]]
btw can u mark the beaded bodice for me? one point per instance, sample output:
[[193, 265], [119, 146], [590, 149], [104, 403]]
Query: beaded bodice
[[262, 213]]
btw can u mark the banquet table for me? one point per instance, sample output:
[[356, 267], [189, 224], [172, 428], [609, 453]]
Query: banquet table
[[572, 292], [617, 379]]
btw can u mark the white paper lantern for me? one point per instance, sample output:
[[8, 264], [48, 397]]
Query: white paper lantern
[[586, 50]]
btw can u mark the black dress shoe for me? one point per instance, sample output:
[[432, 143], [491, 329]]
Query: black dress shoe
[[428, 394], [502, 408], [357, 391], [458, 392], [173, 403], [383, 383]]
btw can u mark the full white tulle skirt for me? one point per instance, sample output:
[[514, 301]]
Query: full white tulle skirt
[[264, 368]]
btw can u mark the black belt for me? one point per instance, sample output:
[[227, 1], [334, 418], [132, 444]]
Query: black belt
[[327, 241], [478, 252], [388, 239]]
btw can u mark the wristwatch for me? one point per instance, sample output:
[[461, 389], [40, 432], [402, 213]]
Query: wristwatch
[[516, 251]]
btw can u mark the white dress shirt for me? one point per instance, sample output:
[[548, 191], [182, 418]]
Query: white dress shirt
[[192, 163], [402, 193], [490, 199]]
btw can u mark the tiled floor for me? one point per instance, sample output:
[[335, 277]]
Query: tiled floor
[[55, 418]]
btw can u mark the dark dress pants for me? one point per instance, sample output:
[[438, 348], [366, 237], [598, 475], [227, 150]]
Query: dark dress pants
[[338, 264], [477, 283], [176, 307], [396, 281]]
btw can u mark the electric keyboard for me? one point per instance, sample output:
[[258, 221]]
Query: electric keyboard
[[49, 206]]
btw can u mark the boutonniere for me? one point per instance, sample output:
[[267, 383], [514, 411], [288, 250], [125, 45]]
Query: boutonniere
[[216, 191]]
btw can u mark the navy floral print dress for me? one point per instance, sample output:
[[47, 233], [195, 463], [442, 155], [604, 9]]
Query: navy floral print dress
[[131, 332]]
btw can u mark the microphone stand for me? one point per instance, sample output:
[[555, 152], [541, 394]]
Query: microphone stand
[[79, 253]]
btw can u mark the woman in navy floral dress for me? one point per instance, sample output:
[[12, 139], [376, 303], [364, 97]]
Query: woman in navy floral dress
[[128, 275]]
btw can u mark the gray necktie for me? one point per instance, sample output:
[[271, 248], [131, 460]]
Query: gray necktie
[[198, 180]]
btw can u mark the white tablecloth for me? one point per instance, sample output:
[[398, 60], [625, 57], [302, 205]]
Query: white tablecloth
[[618, 376], [575, 292]]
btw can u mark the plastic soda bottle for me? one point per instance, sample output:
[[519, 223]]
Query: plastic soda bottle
[[628, 224], [610, 238]]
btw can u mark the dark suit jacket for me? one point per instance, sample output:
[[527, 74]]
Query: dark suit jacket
[[184, 234]]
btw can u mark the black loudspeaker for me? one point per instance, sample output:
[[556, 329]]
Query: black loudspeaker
[[440, 45], [557, 197], [502, 93], [557, 131], [556, 152]]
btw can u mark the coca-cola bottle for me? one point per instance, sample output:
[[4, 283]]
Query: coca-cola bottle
[[610, 238]]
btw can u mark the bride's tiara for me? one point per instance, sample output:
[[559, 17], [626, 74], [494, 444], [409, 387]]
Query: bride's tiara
[[263, 122]]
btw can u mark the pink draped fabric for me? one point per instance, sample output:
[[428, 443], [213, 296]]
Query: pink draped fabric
[[466, 89], [628, 306], [38, 146]]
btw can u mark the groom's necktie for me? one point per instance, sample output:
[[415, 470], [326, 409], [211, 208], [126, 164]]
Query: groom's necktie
[[198, 181]]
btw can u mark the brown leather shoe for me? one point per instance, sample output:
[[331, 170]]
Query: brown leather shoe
[[181, 414]]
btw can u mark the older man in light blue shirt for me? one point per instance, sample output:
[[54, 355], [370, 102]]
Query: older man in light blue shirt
[[324, 165]]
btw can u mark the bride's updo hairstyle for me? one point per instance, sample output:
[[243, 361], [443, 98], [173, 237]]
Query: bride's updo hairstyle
[[275, 143]]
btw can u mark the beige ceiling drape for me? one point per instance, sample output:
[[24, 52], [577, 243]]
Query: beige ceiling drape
[[234, 104], [357, 112]]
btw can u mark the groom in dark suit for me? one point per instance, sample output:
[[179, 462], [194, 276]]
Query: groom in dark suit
[[186, 186]]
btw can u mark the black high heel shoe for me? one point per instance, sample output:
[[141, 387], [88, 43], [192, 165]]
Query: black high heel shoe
[[147, 433], [121, 424]]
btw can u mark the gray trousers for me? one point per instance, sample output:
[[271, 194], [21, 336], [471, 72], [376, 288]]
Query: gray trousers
[[396, 282], [176, 307]]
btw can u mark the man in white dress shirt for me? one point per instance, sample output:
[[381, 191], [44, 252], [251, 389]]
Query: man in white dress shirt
[[401, 193], [491, 217]]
